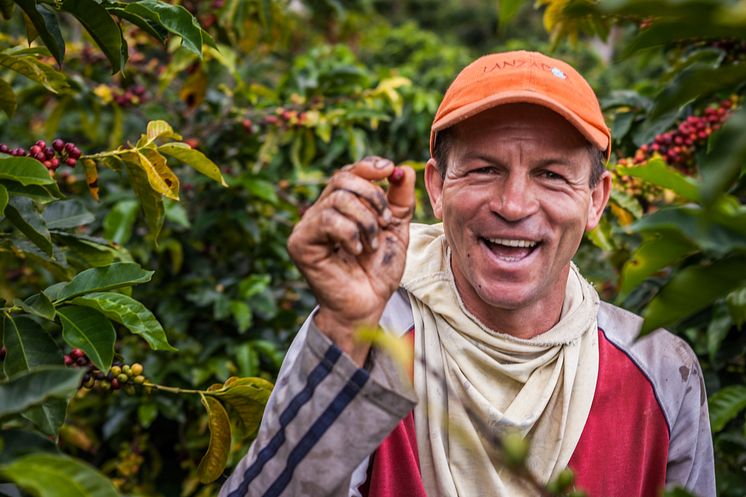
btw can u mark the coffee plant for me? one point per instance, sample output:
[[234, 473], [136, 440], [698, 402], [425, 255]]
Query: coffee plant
[[154, 157]]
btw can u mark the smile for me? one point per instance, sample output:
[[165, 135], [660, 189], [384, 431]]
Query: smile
[[510, 249]]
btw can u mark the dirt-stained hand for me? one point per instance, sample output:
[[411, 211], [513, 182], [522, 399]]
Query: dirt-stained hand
[[351, 247]]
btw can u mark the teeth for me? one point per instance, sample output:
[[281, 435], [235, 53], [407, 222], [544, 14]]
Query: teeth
[[512, 243]]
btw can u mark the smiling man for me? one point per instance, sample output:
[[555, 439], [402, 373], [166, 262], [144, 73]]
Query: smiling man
[[507, 335]]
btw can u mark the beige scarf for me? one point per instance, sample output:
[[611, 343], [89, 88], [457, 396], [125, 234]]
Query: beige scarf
[[471, 379]]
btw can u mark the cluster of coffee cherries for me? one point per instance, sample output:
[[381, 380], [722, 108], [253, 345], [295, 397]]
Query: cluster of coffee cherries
[[677, 146], [735, 49], [130, 97], [52, 156], [279, 117], [120, 376]]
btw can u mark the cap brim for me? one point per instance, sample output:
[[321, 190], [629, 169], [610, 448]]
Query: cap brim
[[591, 133]]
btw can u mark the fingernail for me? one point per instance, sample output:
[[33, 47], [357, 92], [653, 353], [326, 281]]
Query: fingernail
[[374, 243], [387, 216], [358, 248]]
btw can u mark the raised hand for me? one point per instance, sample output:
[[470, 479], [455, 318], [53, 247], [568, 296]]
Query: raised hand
[[351, 247]]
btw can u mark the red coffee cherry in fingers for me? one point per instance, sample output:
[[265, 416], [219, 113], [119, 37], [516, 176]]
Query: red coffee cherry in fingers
[[396, 176]]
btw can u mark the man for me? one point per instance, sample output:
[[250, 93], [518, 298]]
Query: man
[[507, 334]]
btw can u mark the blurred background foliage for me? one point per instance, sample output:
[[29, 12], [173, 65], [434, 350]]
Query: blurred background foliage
[[291, 90]]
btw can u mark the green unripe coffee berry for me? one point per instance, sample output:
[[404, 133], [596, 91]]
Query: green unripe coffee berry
[[104, 385], [563, 482], [136, 369], [123, 378], [116, 370], [515, 449], [126, 369], [89, 383], [139, 379], [129, 389]]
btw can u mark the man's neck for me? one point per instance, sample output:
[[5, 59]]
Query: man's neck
[[526, 321]]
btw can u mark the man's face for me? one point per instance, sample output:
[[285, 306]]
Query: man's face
[[515, 202]]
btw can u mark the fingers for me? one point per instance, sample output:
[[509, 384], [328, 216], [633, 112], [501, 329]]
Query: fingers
[[372, 168], [401, 191], [349, 205]]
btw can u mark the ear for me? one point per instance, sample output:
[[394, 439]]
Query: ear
[[599, 198], [434, 186]]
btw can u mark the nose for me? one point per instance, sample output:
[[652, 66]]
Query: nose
[[514, 199]]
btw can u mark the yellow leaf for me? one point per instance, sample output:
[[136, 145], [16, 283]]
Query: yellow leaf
[[160, 178], [213, 462], [104, 93], [157, 129], [91, 177], [247, 398], [194, 89], [399, 348]]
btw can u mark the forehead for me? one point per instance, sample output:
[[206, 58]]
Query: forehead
[[511, 124]]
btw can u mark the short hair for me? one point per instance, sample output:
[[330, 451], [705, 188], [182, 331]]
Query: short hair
[[444, 143]]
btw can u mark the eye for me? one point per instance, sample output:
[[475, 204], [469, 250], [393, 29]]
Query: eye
[[551, 175], [484, 170]]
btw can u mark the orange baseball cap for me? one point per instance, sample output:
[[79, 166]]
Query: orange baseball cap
[[527, 77]]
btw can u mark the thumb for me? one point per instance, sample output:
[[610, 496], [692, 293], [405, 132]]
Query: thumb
[[401, 190]]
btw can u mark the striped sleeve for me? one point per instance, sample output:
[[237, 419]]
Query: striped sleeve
[[325, 417]]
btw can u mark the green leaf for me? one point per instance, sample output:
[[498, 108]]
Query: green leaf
[[42, 194], [193, 158], [725, 404], [35, 70], [28, 346], [247, 397], [6, 8], [247, 359], [692, 289], [213, 462], [105, 32], [652, 256], [119, 221], [3, 198], [261, 189], [718, 328], [656, 171], [129, 312], [49, 416], [38, 305], [151, 201], [45, 23], [176, 19], [117, 275], [737, 306], [7, 98], [57, 475], [722, 166], [25, 171], [698, 226], [696, 82], [241, 314], [67, 214], [91, 331], [508, 9], [149, 27], [22, 213], [601, 236], [35, 386]]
